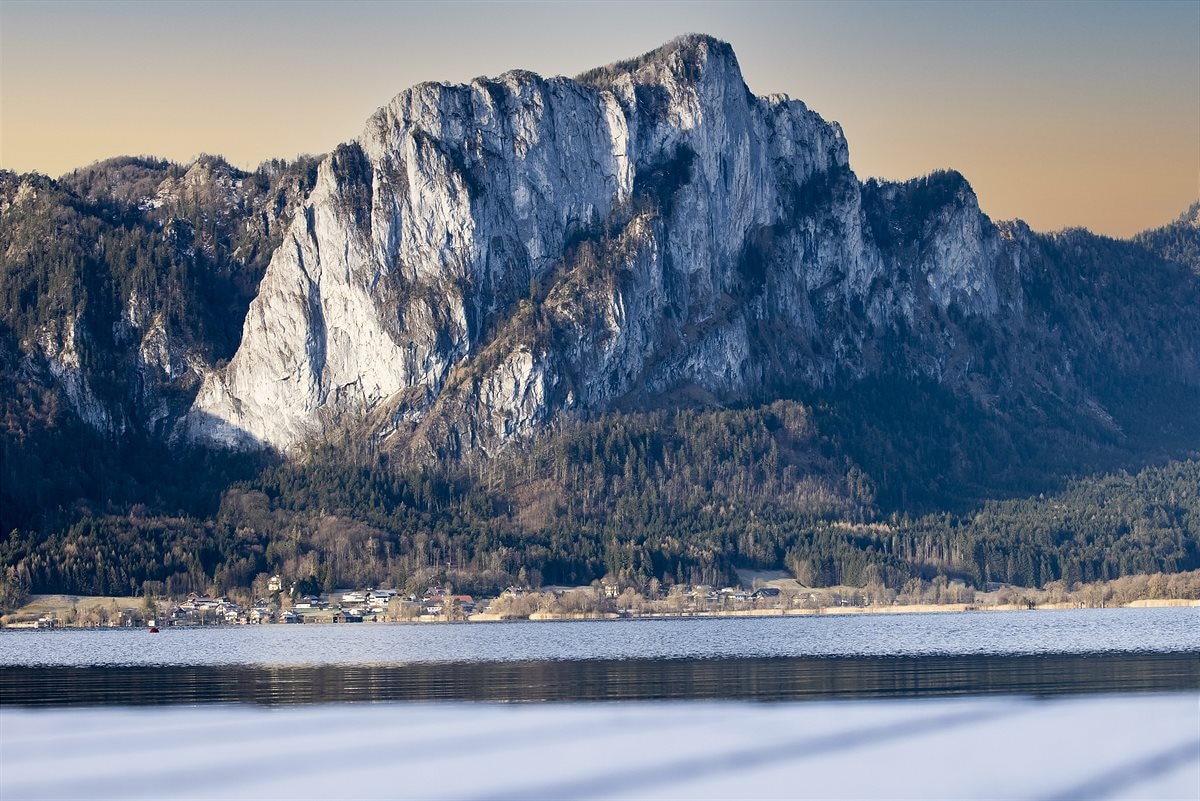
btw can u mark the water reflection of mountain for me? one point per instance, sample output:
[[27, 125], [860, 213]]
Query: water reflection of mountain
[[770, 679]]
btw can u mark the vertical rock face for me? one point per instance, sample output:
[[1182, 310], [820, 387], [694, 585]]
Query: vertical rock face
[[415, 241], [487, 256]]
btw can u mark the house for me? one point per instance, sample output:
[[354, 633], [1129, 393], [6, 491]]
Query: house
[[290, 617], [354, 597], [196, 603], [767, 596], [736, 596], [274, 584], [378, 600], [465, 602], [346, 617]]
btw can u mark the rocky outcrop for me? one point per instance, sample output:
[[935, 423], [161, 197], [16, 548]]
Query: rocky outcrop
[[486, 256]]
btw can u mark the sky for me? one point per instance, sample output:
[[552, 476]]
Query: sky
[[1062, 114]]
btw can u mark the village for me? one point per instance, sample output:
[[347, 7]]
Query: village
[[759, 593], [601, 599]]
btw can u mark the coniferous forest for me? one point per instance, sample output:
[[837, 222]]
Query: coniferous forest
[[681, 496]]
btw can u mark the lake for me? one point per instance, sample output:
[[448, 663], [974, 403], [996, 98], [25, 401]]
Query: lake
[[775, 658], [1021, 705]]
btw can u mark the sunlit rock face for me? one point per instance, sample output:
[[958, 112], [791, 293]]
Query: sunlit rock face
[[485, 257]]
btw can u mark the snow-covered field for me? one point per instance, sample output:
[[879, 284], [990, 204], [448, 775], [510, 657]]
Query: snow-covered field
[[1084, 747]]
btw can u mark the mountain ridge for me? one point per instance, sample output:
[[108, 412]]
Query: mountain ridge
[[670, 331], [641, 271], [731, 211]]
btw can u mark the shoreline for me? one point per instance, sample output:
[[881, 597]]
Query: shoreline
[[893, 609], [552, 617]]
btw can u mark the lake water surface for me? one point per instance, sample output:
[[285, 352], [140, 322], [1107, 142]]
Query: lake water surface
[[1052, 652], [1022, 705]]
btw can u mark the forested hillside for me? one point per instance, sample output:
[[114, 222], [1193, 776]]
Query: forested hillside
[[682, 496], [121, 283]]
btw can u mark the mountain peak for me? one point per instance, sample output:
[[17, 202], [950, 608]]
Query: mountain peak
[[690, 57], [692, 44], [1191, 216]]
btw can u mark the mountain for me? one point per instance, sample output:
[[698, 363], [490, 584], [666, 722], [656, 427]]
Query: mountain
[[123, 284], [641, 271], [1179, 241], [487, 257], [126, 282]]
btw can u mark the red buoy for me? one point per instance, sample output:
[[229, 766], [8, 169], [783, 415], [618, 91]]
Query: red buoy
[[154, 629]]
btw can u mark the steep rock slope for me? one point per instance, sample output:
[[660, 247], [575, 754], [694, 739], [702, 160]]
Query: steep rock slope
[[586, 261], [487, 255], [485, 258]]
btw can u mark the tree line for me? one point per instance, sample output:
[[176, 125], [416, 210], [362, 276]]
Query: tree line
[[676, 497]]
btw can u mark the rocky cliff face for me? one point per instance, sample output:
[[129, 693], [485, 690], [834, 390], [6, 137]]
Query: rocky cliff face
[[486, 256]]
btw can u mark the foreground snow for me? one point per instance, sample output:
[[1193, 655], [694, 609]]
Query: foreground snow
[[994, 747]]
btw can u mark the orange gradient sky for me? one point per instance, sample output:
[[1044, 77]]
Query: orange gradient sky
[[1062, 114]]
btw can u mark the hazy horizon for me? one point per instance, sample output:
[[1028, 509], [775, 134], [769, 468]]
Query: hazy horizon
[[1062, 114]]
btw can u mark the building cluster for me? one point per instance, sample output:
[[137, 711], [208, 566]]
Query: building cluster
[[200, 609], [350, 606], [705, 597], [46, 621], [437, 601], [354, 606]]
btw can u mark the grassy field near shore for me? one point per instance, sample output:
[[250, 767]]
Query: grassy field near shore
[[61, 606]]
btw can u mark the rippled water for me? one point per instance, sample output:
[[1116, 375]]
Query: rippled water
[[1039, 653], [973, 633]]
